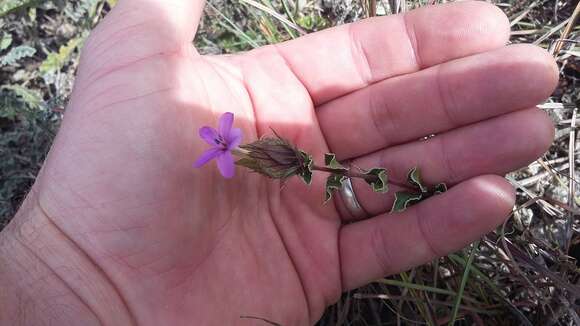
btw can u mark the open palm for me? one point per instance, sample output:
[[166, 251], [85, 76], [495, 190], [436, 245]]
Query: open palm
[[155, 242]]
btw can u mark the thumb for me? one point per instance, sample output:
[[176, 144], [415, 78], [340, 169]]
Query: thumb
[[139, 29]]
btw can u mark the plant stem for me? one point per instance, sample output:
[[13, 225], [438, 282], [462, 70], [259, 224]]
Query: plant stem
[[354, 174], [347, 173]]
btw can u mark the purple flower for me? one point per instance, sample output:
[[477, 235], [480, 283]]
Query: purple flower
[[223, 141]]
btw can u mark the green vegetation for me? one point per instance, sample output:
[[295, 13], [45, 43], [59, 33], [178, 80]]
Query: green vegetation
[[525, 273]]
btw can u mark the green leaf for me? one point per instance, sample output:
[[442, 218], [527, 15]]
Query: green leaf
[[331, 162], [379, 182], [32, 14], [440, 188], [306, 172], [414, 178], [404, 199], [56, 60], [31, 97], [333, 182], [15, 54], [5, 41], [9, 6]]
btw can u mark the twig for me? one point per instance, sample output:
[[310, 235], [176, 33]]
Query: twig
[[543, 163], [523, 14], [571, 184], [539, 176], [550, 209], [372, 8], [551, 31], [567, 30], [274, 14]]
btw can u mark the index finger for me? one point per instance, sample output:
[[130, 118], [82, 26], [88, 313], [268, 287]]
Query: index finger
[[340, 60]]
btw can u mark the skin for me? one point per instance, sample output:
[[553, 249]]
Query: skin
[[119, 229]]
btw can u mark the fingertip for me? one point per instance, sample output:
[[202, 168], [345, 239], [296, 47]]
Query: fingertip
[[543, 133], [546, 63], [463, 28], [498, 195], [539, 70], [493, 19], [483, 19], [466, 212], [441, 224]]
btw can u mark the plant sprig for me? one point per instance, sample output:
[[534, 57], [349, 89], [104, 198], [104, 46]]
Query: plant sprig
[[277, 158]]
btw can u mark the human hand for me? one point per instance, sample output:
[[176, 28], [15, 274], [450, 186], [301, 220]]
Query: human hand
[[121, 229]]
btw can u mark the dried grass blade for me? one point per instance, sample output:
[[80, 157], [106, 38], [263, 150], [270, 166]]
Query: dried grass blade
[[567, 30], [571, 183]]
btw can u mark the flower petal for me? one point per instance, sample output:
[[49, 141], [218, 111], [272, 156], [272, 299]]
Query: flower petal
[[209, 135], [235, 138], [225, 164], [225, 124], [207, 156]]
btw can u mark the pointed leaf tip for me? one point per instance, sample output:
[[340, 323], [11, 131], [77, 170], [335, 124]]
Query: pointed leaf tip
[[333, 182], [414, 178], [306, 168], [440, 188], [379, 182], [331, 162], [404, 199]]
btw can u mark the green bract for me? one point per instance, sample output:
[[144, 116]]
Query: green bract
[[276, 158]]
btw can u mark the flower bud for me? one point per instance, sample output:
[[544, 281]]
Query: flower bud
[[276, 158]]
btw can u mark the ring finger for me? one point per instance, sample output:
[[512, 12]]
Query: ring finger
[[494, 146]]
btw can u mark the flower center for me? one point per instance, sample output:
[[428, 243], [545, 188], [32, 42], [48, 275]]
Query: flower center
[[219, 140]]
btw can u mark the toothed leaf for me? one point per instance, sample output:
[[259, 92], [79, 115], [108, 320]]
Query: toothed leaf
[[414, 178], [333, 182], [404, 199], [15, 54], [440, 188], [306, 169], [379, 180], [331, 162]]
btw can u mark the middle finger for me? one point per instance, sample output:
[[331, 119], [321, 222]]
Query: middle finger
[[437, 99]]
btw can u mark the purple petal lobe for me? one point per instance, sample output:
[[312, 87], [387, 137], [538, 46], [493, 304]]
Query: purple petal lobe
[[209, 135], [207, 156], [226, 165], [235, 138], [225, 124]]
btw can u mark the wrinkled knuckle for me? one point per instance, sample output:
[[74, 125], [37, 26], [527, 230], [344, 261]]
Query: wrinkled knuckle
[[447, 99], [424, 230], [360, 57], [382, 251], [381, 115], [412, 36], [451, 175], [28, 231]]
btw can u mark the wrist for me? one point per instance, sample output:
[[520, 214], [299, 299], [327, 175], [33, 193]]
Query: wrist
[[46, 278]]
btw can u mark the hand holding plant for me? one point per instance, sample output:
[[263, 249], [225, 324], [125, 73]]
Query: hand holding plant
[[122, 230]]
